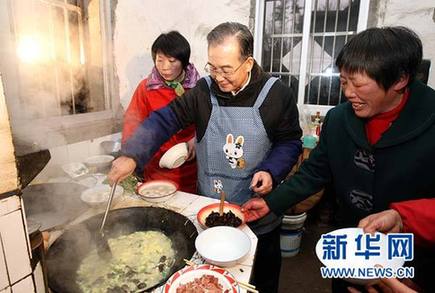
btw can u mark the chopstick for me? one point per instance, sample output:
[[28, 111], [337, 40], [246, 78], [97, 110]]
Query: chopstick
[[246, 286], [188, 262]]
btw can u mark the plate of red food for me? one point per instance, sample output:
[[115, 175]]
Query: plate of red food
[[201, 278], [209, 216]]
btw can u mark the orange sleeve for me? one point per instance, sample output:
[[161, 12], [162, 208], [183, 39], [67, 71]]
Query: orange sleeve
[[137, 111]]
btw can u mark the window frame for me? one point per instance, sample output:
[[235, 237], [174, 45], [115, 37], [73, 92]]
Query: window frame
[[60, 130], [258, 45]]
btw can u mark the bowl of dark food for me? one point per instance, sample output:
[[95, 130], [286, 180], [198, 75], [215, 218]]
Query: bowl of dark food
[[209, 216], [223, 246], [201, 278]]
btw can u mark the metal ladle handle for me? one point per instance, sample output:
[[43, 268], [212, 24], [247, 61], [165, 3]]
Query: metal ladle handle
[[109, 203]]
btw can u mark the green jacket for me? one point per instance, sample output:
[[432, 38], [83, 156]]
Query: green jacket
[[365, 178]]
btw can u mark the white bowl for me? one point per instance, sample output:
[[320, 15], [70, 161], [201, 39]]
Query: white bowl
[[223, 246], [157, 190], [111, 147], [75, 169], [98, 195], [174, 157], [99, 163], [353, 261]]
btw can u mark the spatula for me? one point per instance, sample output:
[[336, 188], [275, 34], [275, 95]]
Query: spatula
[[103, 248]]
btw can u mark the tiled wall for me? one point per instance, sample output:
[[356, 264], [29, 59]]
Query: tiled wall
[[15, 269], [15, 252]]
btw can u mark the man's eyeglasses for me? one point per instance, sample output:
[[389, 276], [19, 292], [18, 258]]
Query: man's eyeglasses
[[224, 72]]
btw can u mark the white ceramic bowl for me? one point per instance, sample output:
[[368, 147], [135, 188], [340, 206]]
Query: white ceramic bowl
[[157, 190], [174, 157], [97, 196], [358, 261], [111, 147], [223, 246], [75, 169], [99, 163]]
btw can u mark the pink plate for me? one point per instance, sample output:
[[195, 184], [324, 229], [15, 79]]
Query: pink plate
[[208, 209], [189, 273]]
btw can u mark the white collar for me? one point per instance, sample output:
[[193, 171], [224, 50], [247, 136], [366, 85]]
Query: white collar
[[244, 86]]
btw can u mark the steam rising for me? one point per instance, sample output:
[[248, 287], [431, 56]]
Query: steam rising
[[56, 64]]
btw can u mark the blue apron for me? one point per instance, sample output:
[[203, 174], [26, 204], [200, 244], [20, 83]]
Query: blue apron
[[234, 144]]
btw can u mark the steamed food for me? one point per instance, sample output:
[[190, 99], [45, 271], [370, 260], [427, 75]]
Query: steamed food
[[139, 260]]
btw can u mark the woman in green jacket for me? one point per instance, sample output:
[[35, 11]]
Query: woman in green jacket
[[379, 146]]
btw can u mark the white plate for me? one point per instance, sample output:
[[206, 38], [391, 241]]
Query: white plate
[[353, 260], [190, 273]]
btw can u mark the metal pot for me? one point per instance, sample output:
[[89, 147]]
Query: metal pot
[[65, 255]]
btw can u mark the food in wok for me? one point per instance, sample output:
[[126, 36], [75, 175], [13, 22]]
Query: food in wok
[[139, 260]]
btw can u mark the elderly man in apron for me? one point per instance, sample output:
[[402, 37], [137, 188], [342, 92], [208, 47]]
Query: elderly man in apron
[[248, 136]]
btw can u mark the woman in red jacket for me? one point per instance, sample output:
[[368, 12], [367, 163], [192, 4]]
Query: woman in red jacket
[[171, 76], [412, 216]]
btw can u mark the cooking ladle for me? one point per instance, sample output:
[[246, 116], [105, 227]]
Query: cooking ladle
[[103, 248]]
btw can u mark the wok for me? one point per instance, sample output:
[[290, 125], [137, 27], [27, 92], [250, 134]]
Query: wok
[[66, 253]]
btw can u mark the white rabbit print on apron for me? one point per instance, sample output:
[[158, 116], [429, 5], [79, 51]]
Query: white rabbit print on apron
[[234, 151]]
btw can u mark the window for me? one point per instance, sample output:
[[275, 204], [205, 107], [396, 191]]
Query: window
[[59, 75], [299, 41]]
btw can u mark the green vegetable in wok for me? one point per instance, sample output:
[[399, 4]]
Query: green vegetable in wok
[[139, 260]]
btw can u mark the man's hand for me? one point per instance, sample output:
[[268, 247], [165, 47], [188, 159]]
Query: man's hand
[[191, 149], [388, 221], [122, 167], [261, 183], [255, 209]]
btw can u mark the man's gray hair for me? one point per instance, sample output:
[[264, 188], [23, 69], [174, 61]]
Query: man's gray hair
[[238, 30]]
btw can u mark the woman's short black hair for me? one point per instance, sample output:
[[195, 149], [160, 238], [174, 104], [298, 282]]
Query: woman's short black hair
[[172, 44], [384, 54]]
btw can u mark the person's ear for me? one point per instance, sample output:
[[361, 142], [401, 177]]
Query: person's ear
[[400, 85], [249, 64]]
